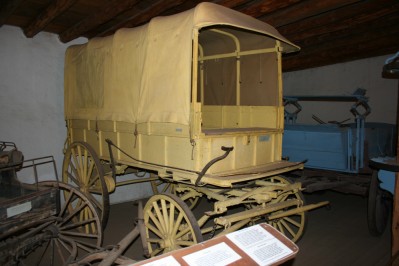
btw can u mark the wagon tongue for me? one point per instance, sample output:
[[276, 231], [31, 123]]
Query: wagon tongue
[[277, 209]]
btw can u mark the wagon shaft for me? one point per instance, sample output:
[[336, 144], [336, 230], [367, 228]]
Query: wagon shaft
[[298, 210], [227, 221]]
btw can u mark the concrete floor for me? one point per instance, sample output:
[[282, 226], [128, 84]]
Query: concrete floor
[[334, 236]]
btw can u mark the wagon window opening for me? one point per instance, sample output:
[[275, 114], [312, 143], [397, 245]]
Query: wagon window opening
[[236, 69]]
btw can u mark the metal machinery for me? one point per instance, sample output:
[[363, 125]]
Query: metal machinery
[[42, 223], [195, 100]]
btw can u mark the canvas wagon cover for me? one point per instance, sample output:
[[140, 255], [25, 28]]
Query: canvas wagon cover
[[143, 74]]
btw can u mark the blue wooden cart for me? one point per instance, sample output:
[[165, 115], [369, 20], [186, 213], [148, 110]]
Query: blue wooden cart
[[336, 154]]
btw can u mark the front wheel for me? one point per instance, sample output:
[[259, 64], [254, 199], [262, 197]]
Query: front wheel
[[169, 224]]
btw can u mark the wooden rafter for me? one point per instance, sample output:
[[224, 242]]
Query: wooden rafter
[[51, 12], [335, 21], [263, 8], [7, 8], [346, 46], [141, 16], [303, 10], [113, 9]]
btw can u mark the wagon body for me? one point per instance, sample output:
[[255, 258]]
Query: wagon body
[[170, 94], [337, 148]]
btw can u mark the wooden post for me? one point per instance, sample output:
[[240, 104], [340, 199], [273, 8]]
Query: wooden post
[[395, 214]]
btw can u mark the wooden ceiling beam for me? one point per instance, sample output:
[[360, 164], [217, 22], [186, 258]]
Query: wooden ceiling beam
[[340, 19], [358, 46], [302, 10], [51, 12], [358, 33], [233, 4], [188, 4], [113, 9], [261, 8], [142, 16], [335, 57], [7, 8], [153, 11]]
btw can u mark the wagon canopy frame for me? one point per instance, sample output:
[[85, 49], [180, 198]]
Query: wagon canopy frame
[[138, 82]]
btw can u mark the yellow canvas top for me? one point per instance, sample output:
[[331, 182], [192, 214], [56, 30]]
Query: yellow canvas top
[[143, 74]]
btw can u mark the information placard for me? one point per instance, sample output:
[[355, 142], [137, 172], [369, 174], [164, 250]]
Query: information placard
[[256, 245]]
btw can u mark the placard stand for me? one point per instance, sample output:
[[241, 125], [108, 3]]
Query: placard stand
[[256, 245]]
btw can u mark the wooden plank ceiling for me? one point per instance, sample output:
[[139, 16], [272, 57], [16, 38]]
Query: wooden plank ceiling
[[328, 31]]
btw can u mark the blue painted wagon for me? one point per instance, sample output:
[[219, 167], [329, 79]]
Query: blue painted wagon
[[337, 154]]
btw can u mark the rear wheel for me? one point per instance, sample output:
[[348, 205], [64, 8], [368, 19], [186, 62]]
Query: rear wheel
[[290, 225], [82, 169]]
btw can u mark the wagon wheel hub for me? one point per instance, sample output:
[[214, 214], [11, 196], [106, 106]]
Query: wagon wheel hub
[[53, 230], [168, 243], [85, 189]]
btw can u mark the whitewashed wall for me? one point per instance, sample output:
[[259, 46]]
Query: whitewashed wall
[[344, 79], [32, 99]]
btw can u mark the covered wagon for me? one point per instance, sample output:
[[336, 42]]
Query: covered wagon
[[195, 99]]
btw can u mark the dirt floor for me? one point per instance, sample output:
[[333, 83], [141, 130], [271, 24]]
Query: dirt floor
[[334, 236]]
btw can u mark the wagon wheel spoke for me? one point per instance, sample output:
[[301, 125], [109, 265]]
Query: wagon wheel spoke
[[177, 224], [82, 169], [66, 237], [156, 252], [42, 253], [169, 224], [60, 254], [152, 220], [287, 228], [293, 222]]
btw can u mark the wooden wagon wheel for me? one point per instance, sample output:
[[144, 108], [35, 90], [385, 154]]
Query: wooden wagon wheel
[[378, 208], [76, 231], [82, 168], [170, 224], [292, 226]]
